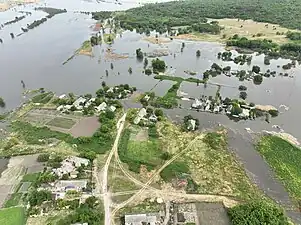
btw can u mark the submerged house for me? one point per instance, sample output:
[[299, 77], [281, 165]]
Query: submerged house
[[101, 107]]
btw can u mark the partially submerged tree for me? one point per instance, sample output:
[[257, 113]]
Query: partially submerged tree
[[198, 53], [2, 103]]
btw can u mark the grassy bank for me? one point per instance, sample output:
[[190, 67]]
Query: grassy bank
[[178, 79], [285, 159]]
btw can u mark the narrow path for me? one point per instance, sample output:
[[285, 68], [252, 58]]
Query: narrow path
[[260, 172]]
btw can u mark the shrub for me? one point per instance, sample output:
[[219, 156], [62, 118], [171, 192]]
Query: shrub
[[257, 212], [43, 157]]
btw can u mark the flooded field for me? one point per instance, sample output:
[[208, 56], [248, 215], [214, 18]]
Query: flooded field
[[37, 57]]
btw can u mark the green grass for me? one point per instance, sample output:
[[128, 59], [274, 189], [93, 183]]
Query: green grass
[[31, 177], [174, 170], [42, 98], [285, 159], [64, 123], [12, 216], [14, 200], [178, 79], [32, 135], [137, 153], [169, 100]]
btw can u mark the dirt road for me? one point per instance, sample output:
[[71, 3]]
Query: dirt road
[[105, 192]]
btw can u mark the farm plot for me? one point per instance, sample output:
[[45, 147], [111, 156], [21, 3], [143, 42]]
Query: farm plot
[[86, 127], [61, 122]]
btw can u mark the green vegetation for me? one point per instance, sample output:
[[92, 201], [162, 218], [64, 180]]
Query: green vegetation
[[13, 200], [109, 38], [285, 159], [31, 177], [2, 103], [163, 16], [215, 140], [257, 212], [244, 42], [169, 100], [61, 122], [12, 216], [89, 212], [174, 170], [38, 197], [43, 98], [136, 153], [294, 36], [178, 79], [100, 142], [158, 65]]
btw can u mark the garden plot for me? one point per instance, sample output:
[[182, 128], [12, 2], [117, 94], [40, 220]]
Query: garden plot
[[139, 134], [86, 127]]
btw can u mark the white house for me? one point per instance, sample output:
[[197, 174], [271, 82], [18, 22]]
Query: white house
[[78, 103], [112, 108], [101, 107], [141, 114], [89, 102], [197, 104]]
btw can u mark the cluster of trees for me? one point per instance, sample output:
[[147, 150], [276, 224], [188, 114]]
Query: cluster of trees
[[101, 15], [259, 45], [118, 92], [95, 40], [158, 65], [295, 36], [89, 212], [17, 19], [287, 66], [36, 198], [207, 28], [240, 59], [139, 54], [257, 212]]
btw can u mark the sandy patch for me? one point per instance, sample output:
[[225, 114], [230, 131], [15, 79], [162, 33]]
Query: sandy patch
[[158, 40], [265, 107], [114, 56], [9, 4]]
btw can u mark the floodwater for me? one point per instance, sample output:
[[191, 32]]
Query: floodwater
[[36, 57]]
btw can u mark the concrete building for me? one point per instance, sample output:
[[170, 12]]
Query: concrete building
[[89, 102], [140, 219], [70, 185], [112, 108]]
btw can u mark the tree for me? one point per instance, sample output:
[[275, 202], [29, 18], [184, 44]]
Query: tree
[[145, 62], [130, 70], [44, 157], [183, 44], [148, 71], [242, 88], [227, 101], [198, 53], [112, 66], [159, 112], [236, 110], [273, 112], [65, 176], [257, 212], [256, 69], [149, 110], [251, 104], [243, 95], [158, 65], [88, 155], [139, 54], [257, 79], [2, 103], [107, 73], [103, 84], [38, 197]]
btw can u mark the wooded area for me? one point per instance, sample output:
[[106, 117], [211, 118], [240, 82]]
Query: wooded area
[[164, 15]]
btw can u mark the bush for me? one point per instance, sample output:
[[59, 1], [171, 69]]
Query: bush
[[148, 71], [44, 157], [2, 103], [158, 65], [38, 197], [273, 112], [242, 88], [243, 95], [257, 79], [257, 212]]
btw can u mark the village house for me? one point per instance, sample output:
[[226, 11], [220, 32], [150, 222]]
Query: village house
[[78, 104], [197, 104], [141, 114], [153, 118], [69, 166], [191, 125], [101, 107], [89, 102], [138, 219], [112, 108]]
